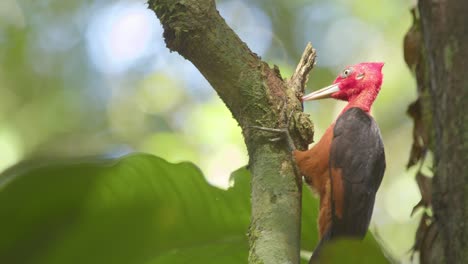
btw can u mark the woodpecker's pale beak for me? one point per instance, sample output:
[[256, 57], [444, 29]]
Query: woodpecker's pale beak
[[322, 93]]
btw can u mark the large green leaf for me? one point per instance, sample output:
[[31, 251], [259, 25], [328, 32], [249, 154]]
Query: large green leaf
[[137, 209], [352, 252]]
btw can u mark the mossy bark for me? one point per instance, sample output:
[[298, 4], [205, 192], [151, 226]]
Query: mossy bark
[[256, 95], [445, 38]]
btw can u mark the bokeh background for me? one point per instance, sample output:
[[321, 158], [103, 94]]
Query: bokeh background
[[93, 78]]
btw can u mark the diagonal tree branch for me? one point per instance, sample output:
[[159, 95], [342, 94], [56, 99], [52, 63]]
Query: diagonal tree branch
[[256, 95]]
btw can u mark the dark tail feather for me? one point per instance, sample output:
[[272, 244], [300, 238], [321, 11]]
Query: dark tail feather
[[315, 256]]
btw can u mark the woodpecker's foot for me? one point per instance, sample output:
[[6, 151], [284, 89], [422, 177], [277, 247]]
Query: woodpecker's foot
[[284, 131]]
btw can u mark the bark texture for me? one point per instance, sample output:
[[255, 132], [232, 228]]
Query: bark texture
[[256, 95], [445, 51]]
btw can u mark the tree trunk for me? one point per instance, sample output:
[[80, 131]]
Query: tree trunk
[[256, 95], [444, 27]]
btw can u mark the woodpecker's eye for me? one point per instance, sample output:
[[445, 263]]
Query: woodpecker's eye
[[346, 72]]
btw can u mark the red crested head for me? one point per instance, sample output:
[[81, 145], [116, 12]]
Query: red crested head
[[358, 84]]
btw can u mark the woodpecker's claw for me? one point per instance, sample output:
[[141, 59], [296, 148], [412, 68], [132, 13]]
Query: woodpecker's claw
[[275, 139], [283, 131], [275, 130]]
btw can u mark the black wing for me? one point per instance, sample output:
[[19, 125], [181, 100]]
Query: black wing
[[357, 152]]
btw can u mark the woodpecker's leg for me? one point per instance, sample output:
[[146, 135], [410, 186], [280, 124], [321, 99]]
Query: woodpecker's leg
[[284, 131]]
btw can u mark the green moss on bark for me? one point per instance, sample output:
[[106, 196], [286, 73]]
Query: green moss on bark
[[443, 26]]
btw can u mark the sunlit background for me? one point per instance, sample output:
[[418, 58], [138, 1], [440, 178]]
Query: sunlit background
[[93, 77]]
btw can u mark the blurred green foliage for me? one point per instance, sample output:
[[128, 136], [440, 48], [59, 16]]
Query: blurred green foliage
[[137, 209], [93, 77], [352, 252]]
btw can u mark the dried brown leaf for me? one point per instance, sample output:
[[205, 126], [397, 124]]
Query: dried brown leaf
[[412, 43], [427, 242], [421, 231], [425, 187], [420, 138], [425, 235]]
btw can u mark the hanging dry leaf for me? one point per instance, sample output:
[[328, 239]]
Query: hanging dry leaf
[[420, 136], [427, 242], [425, 235], [420, 232], [412, 43], [425, 188]]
